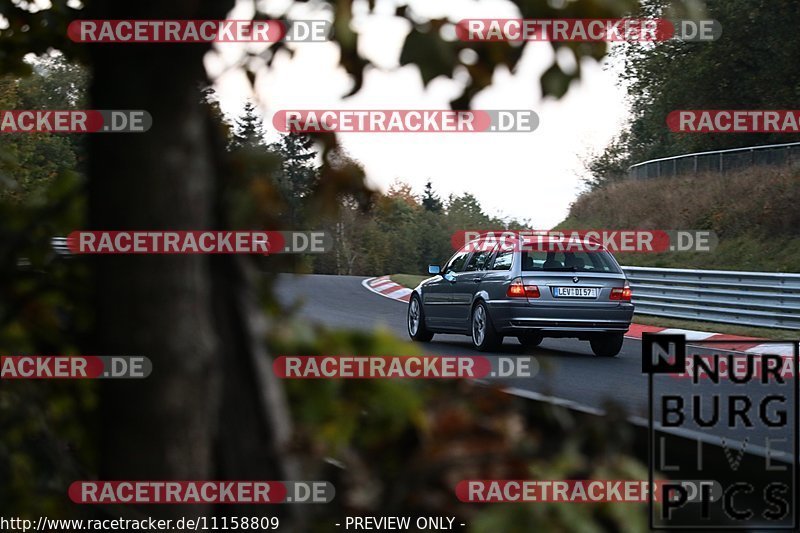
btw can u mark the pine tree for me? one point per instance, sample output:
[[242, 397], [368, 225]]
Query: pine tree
[[211, 99], [298, 173], [248, 131], [430, 200]]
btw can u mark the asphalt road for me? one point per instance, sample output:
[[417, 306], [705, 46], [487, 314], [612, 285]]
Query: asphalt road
[[569, 372]]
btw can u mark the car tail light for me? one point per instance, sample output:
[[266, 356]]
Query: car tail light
[[621, 294], [519, 290], [516, 289]]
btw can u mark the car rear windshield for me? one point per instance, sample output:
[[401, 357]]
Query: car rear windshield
[[543, 261]]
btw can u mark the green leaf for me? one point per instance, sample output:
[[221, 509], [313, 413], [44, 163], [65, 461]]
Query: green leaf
[[555, 81], [434, 56]]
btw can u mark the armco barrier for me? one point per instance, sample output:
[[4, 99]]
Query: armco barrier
[[717, 161], [60, 246], [724, 296], [746, 298]]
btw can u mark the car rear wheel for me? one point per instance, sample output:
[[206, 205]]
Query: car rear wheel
[[530, 340], [607, 344], [416, 321], [484, 336]]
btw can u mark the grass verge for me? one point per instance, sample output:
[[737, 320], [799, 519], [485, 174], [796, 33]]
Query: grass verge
[[407, 280], [753, 213]]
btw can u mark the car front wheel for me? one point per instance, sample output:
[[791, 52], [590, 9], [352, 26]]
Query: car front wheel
[[484, 337], [416, 321], [607, 344]]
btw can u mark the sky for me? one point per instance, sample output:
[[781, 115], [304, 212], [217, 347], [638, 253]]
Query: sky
[[532, 176]]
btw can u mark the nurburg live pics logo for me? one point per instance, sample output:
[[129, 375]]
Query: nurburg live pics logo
[[733, 423]]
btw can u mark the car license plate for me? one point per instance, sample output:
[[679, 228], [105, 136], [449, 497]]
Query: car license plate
[[575, 292]]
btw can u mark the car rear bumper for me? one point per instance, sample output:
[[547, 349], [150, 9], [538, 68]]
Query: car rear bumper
[[513, 319]]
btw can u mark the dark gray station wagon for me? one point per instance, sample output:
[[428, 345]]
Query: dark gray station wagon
[[528, 292]]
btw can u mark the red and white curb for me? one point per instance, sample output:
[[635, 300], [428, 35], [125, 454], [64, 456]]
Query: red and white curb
[[386, 287], [738, 343]]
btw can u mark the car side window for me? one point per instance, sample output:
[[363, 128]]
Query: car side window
[[456, 263], [503, 260], [478, 261]]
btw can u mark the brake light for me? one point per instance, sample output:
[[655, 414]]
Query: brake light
[[516, 289], [621, 294], [519, 290]]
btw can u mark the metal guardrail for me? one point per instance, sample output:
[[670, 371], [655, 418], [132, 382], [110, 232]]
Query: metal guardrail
[[717, 161], [60, 246], [726, 296], [731, 297]]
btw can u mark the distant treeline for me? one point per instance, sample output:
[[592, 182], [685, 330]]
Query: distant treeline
[[751, 67], [397, 231], [382, 233], [402, 232]]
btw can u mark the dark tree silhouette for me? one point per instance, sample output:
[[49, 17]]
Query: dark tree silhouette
[[298, 174], [212, 408], [430, 200], [248, 131]]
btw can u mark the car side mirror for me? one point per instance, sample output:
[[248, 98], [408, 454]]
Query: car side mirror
[[434, 269]]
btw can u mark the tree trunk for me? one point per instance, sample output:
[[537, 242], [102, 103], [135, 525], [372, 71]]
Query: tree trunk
[[207, 411]]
